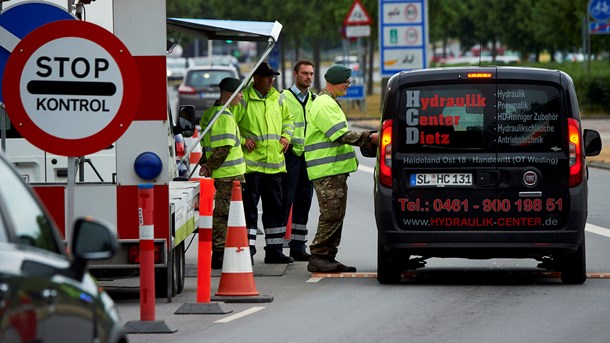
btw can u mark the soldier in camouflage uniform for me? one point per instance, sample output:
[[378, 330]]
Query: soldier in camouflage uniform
[[223, 161], [330, 158]]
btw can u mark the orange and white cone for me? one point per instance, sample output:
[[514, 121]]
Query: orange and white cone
[[196, 153], [237, 278]]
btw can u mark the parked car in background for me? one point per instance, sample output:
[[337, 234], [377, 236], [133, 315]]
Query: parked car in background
[[200, 86], [46, 295], [176, 68], [217, 60]]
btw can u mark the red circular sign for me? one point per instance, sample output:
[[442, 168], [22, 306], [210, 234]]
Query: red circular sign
[[71, 88]]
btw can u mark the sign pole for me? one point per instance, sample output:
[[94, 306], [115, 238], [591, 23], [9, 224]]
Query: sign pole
[[70, 199]]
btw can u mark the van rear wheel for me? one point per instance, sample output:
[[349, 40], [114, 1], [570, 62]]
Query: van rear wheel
[[388, 267], [573, 267]]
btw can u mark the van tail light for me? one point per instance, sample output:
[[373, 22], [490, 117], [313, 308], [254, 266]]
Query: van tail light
[[385, 163], [575, 151], [186, 90]]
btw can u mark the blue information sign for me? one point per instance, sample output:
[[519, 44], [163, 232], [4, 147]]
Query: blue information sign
[[403, 35], [19, 20], [599, 28], [599, 9], [354, 92]]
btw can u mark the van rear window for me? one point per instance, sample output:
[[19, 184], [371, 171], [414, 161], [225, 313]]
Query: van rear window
[[454, 116], [529, 118], [513, 117]]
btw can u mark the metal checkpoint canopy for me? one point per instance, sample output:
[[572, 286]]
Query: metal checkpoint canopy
[[238, 30]]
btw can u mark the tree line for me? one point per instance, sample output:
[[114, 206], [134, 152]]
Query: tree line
[[526, 26]]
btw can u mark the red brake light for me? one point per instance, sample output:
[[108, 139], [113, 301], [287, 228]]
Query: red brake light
[[575, 152], [186, 90], [385, 160]]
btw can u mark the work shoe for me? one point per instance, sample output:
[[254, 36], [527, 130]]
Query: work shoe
[[343, 268], [322, 264], [299, 255], [277, 257], [217, 257]]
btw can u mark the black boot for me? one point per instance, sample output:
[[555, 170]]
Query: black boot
[[217, 257], [274, 255], [299, 252], [322, 264]]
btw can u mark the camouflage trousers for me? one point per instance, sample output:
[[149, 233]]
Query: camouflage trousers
[[222, 202], [332, 200]]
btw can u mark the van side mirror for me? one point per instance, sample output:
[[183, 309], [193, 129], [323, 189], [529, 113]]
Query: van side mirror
[[593, 142], [186, 120]]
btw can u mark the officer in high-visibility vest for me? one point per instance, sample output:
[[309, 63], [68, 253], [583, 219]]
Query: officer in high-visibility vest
[[224, 162], [330, 158], [296, 186], [266, 128]]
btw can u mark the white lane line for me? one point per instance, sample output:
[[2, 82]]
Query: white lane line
[[598, 230], [313, 279], [241, 314], [366, 169]]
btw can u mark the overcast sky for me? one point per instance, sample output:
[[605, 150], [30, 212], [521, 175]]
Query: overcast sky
[[98, 12]]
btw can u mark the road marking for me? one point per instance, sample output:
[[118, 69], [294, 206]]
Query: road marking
[[316, 277], [598, 230], [241, 314]]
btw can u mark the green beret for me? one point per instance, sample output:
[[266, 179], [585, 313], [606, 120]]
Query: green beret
[[229, 84], [337, 74]]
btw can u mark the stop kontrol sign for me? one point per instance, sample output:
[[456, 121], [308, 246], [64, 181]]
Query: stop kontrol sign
[[71, 88]]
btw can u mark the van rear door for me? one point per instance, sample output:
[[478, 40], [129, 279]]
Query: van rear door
[[533, 152], [446, 156], [481, 152]]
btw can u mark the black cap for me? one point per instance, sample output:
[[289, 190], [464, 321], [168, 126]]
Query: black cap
[[229, 84], [265, 70]]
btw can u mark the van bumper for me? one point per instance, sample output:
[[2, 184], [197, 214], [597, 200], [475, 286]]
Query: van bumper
[[515, 243]]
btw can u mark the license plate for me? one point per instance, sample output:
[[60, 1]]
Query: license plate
[[440, 179], [208, 95]]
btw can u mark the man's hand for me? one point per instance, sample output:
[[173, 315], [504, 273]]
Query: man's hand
[[205, 171], [284, 142], [250, 144], [375, 138]]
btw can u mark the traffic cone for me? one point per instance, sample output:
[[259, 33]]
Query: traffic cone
[[204, 263], [196, 153], [237, 279]]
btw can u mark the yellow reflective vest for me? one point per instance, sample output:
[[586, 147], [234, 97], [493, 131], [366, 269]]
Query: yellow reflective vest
[[223, 132], [265, 120], [298, 111], [326, 122]]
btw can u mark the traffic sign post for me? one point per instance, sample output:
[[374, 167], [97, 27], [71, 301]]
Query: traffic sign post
[[71, 88], [357, 24], [403, 36]]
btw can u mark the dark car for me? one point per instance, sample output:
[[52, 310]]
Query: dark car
[[482, 163], [200, 86], [46, 295]]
